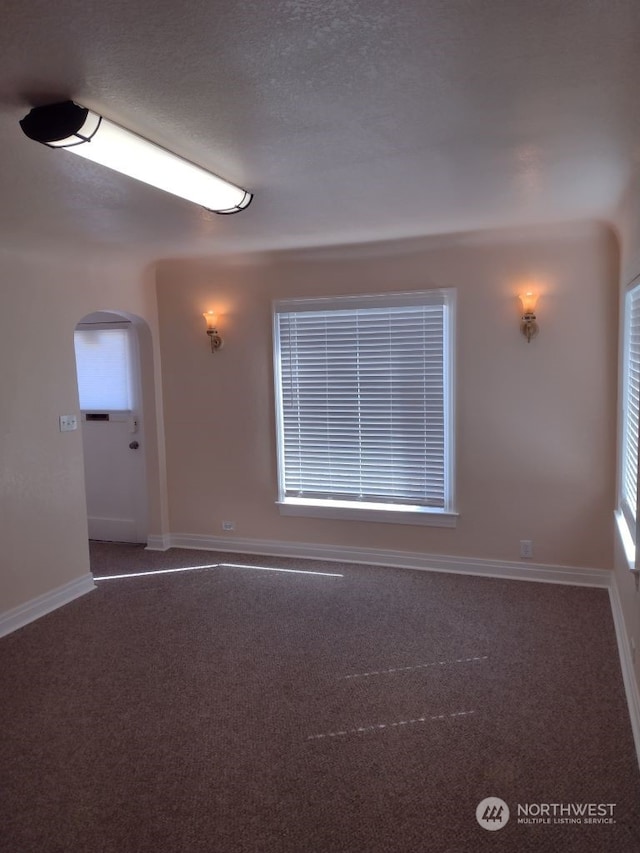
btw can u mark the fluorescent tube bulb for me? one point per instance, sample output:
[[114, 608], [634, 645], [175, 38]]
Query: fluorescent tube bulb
[[77, 129]]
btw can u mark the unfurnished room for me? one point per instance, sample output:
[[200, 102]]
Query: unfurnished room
[[319, 433]]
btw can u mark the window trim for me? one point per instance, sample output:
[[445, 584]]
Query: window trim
[[367, 511]]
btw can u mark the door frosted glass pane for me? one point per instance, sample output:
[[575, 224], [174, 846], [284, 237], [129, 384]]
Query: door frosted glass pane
[[103, 360]]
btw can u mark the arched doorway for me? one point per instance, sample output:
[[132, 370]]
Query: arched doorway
[[107, 349]]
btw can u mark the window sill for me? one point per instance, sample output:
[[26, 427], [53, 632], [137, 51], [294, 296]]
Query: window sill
[[626, 541], [346, 511]]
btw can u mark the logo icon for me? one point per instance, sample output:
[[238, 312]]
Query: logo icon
[[492, 813]]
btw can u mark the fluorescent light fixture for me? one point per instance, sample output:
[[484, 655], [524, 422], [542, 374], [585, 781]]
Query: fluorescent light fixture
[[78, 129]]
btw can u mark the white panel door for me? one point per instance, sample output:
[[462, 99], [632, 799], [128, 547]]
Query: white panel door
[[114, 476], [113, 441]]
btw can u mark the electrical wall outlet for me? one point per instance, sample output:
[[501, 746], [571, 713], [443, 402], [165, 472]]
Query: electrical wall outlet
[[228, 525], [68, 423], [526, 549]]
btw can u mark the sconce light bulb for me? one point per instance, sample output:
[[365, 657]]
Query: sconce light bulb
[[529, 301], [212, 320]]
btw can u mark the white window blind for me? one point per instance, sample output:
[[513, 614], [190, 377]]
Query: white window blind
[[103, 363], [363, 399], [631, 405]]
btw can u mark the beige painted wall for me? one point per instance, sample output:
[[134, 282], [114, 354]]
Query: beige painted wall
[[535, 435], [628, 227], [43, 530]]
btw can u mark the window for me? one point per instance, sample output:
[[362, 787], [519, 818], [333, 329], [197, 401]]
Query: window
[[103, 362], [628, 501], [364, 407]]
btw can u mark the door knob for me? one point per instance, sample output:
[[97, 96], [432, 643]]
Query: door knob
[[134, 445]]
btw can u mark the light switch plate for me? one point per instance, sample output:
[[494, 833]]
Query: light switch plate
[[68, 423]]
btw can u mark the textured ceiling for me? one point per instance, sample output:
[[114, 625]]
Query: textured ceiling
[[350, 120]]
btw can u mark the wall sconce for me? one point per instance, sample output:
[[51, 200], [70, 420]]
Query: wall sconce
[[212, 331], [528, 324]]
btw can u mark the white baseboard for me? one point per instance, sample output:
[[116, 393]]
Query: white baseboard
[[524, 570], [112, 529], [158, 542], [19, 616], [626, 663]]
